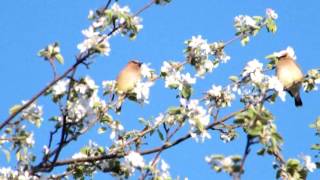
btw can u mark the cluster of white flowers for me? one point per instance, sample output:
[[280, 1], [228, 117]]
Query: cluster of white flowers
[[8, 173], [142, 88], [94, 41], [254, 71], [132, 161], [79, 155], [274, 83], [311, 166], [271, 13], [197, 53], [162, 173], [30, 140], [197, 118], [87, 102], [218, 97], [122, 13], [225, 137], [115, 17], [224, 162], [244, 23], [108, 86], [60, 88], [169, 119], [219, 162], [218, 51], [311, 80], [33, 113], [174, 78], [45, 150]]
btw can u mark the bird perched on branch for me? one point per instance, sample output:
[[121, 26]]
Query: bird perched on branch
[[126, 80], [290, 75]]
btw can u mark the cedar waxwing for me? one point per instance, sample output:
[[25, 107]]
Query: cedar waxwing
[[291, 76], [127, 79]]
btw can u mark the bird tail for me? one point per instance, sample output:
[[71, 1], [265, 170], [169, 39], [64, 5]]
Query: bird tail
[[297, 100], [119, 103]]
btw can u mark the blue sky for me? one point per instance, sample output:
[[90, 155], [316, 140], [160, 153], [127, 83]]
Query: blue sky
[[27, 26]]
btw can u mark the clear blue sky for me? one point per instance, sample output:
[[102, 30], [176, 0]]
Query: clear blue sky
[[27, 26]]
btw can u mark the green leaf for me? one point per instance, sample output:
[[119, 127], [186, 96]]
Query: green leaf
[[186, 92], [234, 78], [102, 130], [255, 131], [174, 110], [245, 40], [261, 152], [59, 58], [160, 134], [14, 108], [271, 56], [315, 147]]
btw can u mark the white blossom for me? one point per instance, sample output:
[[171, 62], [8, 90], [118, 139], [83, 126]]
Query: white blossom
[[253, 69], [243, 22], [225, 138], [197, 118], [186, 79], [218, 97], [146, 71], [197, 42], [271, 13], [173, 80], [117, 9], [8, 173], [108, 86], [173, 77], [252, 66], [165, 174], [136, 21], [60, 87], [134, 159], [30, 140], [91, 14], [227, 161], [142, 90], [274, 83], [311, 166], [100, 22], [79, 155], [86, 105], [45, 150], [93, 39], [33, 113]]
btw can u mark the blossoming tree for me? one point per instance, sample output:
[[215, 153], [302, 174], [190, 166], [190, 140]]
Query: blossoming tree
[[83, 105]]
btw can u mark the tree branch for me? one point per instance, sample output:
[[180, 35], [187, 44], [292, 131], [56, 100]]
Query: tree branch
[[237, 175], [114, 154]]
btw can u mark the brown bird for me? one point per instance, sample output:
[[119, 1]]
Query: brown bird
[[291, 76], [127, 79]]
